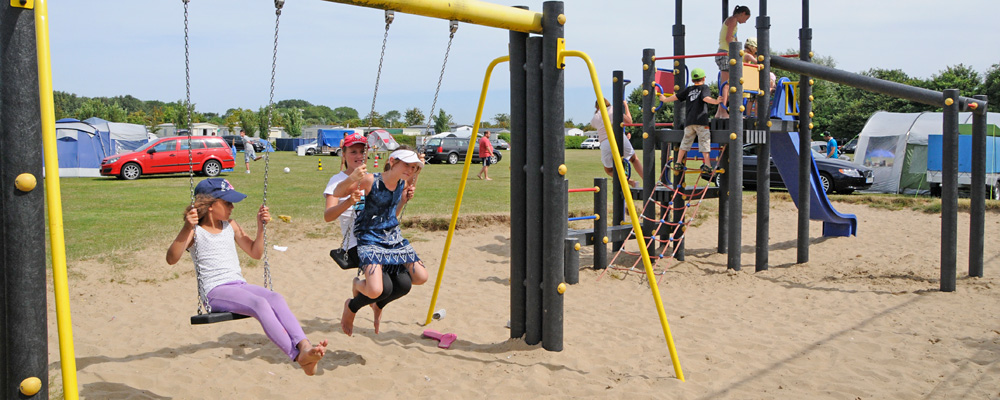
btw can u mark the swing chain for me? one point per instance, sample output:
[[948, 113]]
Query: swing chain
[[389, 16], [453, 27], [278, 4], [203, 306]]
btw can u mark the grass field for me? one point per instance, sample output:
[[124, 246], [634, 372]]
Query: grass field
[[104, 217]]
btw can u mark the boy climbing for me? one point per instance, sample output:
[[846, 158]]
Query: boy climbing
[[698, 97]]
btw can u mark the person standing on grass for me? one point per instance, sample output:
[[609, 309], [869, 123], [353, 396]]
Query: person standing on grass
[[832, 151], [486, 155], [698, 97], [248, 150]]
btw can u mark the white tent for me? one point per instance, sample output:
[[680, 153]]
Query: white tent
[[894, 145]]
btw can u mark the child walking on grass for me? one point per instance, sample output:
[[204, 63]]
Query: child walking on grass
[[389, 264], [211, 238]]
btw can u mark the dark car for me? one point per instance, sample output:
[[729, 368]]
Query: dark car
[[452, 150], [236, 141], [208, 156], [850, 146], [837, 175]]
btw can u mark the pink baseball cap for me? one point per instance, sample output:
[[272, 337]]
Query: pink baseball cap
[[353, 139]]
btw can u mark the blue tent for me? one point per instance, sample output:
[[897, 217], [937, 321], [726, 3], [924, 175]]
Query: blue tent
[[82, 145]]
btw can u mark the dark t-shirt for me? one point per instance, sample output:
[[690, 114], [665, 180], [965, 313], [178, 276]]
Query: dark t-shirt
[[697, 109]]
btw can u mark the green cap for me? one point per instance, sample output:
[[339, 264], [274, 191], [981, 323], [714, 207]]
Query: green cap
[[697, 74]]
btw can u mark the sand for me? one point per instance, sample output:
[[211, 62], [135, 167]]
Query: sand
[[862, 320]]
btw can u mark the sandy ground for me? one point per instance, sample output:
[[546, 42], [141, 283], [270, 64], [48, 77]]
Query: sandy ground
[[862, 320]]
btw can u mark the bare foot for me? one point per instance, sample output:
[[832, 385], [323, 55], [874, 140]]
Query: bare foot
[[309, 359], [489, 179], [378, 316], [347, 319]]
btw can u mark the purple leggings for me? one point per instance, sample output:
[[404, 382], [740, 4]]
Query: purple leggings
[[268, 307]]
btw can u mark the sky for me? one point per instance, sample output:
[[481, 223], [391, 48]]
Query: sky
[[328, 53]]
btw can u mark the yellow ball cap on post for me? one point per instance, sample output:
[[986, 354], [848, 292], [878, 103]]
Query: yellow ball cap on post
[[561, 288], [576, 247], [25, 182], [562, 169], [732, 61], [949, 101], [30, 386], [732, 136]]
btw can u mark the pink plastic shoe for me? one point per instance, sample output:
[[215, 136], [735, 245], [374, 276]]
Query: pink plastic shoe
[[444, 339]]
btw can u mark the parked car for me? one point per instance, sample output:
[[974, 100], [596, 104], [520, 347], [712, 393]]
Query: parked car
[[850, 146], [308, 148], [819, 147], [836, 175], [209, 156], [236, 141], [590, 143], [452, 150], [500, 144]]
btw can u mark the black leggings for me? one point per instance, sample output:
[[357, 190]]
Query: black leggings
[[394, 285]]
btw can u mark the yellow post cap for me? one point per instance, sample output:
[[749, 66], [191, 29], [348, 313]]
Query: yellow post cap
[[614, 79], [597, 189], [562, 169], [741, 80], [677, 87], [31, 386], [810, 125], [645, 135], [812, 114], [732, 136], [768, 124], [760, 58], [25, 182], [645, 92], [677, 63], [605, 240], [597, 217], [743, 108], [576, 247], [732, 61], [732, 89], [561, 288], [645, 67], [562, 19], [742, 53], [811, 98], [949, 101]]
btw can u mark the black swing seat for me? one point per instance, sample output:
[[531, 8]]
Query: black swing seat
[[211, 318]]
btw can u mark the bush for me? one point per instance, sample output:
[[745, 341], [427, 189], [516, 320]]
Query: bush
[[406, 140], [573, 142]]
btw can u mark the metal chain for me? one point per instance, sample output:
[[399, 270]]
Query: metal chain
[[389, 16], [453, 27], [270, 109], [203, 306]]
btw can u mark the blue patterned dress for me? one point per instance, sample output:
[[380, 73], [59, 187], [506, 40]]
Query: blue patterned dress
[[377, 229]]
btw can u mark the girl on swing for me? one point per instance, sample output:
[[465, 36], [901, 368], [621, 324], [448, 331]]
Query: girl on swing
[[388, 262], [211, 238]]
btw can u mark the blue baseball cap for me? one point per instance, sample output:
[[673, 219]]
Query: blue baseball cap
[[219, 188]]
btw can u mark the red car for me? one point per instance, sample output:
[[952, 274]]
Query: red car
[[209, 155]]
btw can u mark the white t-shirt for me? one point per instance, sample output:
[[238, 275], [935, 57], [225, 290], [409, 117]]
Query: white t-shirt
[[347, 217], [598, 123]]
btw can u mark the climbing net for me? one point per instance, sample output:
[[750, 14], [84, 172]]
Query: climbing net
[[687, 200]]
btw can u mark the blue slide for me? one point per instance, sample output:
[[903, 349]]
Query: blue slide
[[785, 154]]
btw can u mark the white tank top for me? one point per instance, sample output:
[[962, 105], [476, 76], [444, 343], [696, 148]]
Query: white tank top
[[214, 256]]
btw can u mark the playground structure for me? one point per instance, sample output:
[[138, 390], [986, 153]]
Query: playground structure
[[737, 130], [538, 227], [537, 107]]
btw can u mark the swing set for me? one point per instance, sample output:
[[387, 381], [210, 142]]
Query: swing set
[[541, 194]]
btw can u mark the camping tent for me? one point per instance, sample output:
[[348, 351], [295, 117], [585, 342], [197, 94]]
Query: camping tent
[[381, 141], [894, 145], [82, 145]]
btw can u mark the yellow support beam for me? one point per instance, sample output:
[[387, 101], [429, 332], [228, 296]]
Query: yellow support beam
[[633, 215], [53, 198], [469, 11]]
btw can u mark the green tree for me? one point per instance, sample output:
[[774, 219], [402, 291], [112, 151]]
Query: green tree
[[991, 88], [66, 104], [232, 119], [293, 122], [249, 122], [263, 124], [341, 114], [392, 117], [374, 119], [97, 108], [442, 121], [414, 116], [154, 118], [502, 120], [569, 123], [960, 77], [293, 103]]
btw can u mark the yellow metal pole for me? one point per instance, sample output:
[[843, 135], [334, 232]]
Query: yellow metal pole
[[53, 199], [471, 11], [461, 185], [650, 277]]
